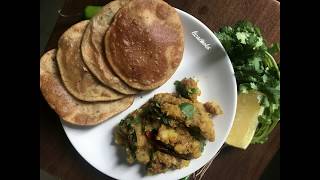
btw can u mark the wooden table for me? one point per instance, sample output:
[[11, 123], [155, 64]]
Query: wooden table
[[57, 155]]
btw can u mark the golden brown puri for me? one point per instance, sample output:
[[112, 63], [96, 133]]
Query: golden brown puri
[[76, 77], [65, 105], [93, 52], [144, 44]]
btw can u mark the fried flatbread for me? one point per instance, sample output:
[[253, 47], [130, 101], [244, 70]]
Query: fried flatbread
[[76, 77], [92, 48], [66, 106], [144, 44]]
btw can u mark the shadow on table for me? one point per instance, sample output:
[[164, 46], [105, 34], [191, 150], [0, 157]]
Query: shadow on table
[[48, 18], [46, 176], [273, 169]]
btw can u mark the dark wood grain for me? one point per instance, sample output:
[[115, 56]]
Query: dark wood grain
[[247, 164], [58, 157]]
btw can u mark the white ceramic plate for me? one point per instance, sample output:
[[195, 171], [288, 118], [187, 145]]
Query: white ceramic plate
[[205, 60]]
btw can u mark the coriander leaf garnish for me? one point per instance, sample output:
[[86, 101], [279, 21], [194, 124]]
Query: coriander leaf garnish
[[187, 109], [255, 69]]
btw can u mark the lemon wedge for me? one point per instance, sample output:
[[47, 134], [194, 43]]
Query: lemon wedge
[[246, 120]]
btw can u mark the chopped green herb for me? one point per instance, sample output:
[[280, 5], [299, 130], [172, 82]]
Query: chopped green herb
[[181, 89], [154, 112], [193, 91], [185, 178], [137, 120], [184, 91], [202, 144], [255, 69], [187, 109], [90, 11]]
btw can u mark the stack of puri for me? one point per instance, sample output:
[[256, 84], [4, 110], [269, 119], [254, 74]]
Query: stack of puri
[[101, 64]]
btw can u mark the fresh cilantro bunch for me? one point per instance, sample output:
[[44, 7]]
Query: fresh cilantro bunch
[[255, 69]]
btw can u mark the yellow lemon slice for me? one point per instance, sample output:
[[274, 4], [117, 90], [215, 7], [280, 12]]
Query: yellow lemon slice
[[246, 120]]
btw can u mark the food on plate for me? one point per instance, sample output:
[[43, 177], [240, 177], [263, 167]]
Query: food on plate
[[213, 108], [188, 88], [93, 52], [76, 77], [255, 69], [184, 111], [167, 131], [161, 162], [145, 43], [65, 105]]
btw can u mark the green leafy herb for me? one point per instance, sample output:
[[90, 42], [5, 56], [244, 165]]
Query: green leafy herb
[[127, 128], [90, 11], [185, 178], [154, 112], [125, 123], [184, 91], [255, 69], [137, 120], [181, 89], [196, 133], [132, 138], [202, 144], [187, 109], [193, 91]]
